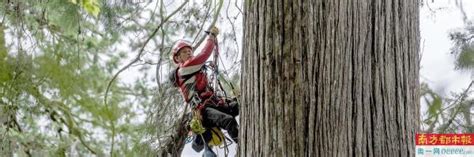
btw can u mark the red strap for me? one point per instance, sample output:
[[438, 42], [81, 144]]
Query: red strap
[[204, 103]]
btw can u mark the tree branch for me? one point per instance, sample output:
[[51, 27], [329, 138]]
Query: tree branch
[[233, 27], [203, 22], [137, 58], [175, 145], [219, 7], [18, 127], [460, 6], [158, 66], [460, 99]]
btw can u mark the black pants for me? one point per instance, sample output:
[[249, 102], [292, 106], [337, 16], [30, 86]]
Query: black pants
[[221, 116]]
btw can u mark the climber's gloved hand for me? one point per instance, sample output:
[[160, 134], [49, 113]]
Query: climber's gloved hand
[[214, 31]]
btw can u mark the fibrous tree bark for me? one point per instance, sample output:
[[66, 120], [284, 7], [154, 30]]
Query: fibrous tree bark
[[330, 78]]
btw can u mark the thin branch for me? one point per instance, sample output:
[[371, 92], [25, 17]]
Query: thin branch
[[233, 27], [238, 8], [160, 59], [432, 125], [154, 10], [137, 58], [18, 127], [203, 22], [158, 66], [460, 99], [460, 5], [70, 123], [219, 7], [467, 115]]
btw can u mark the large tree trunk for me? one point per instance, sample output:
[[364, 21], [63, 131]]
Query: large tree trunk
[[330, 78]]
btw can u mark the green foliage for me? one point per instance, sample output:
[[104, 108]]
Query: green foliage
[[466, 58], [91, 6], [58, 83], [63, 15], [3, 58], [463, 47], [447, 115], [434, 103], [56, 61], [455, 111], [434, 108]]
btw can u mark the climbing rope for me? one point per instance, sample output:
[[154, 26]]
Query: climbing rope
[[196, 122]]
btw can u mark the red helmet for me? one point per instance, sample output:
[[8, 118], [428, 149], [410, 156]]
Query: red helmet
[[178, 46]]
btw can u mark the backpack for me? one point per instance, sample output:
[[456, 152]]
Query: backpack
[[172, 77]]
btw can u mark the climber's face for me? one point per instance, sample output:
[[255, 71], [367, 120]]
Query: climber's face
[[184, 54]]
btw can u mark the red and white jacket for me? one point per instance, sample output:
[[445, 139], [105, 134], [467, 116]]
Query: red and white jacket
[[198, 82]]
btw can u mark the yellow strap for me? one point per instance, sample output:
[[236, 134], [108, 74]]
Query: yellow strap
[[195, 124], [217, 137]]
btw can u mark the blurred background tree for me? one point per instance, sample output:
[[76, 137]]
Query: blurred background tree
[[83, 77], [453, 113]]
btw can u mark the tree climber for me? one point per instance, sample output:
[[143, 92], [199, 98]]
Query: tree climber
[[191, 78]]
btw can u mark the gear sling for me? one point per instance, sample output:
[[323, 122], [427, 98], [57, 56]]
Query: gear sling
[[210, 111]]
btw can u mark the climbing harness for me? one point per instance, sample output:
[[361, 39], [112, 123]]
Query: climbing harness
[[217, 138]]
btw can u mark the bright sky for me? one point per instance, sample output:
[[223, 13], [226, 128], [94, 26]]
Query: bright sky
[[437, 64], [437, 20]]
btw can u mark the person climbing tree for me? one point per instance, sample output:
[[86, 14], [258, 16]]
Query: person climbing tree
[[191, 78]]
